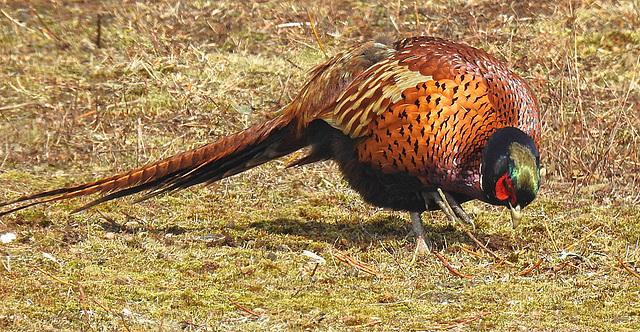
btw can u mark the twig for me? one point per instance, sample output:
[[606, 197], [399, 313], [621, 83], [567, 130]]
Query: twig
[[628, 268], [99, 31], [415, 9], [84, 115], [311, 272], [575, 266], [103, 307], [553, 241], [584, 238], [527, 271], [315, 33], [243, 307], [452, 326], [13, 19], [617, 269], [10, 107], [466, 230], [293, 64], [595, 274], [449, 267], [558, 269], [393, 21], [469, 251], [632, 19], [499, 264], [124, 321], [358, 265], [51, 275], [84, 304], [45, 29], [293, 158], [375, 322], [315, 268]]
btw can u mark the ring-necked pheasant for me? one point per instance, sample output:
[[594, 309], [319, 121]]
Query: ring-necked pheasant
[[412, 126]]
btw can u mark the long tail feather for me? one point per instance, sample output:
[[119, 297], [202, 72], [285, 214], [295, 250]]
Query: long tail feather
[[205, 164]]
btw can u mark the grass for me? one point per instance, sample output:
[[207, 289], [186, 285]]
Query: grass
[[169, 76]]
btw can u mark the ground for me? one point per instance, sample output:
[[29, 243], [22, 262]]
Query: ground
[[90, 89]]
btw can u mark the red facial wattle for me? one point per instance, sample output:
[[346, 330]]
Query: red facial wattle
[[504, 190]]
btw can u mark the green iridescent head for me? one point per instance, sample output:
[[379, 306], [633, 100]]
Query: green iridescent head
[[510, 170]]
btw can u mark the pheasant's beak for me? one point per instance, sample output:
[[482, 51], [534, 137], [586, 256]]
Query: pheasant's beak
[[516, 215]]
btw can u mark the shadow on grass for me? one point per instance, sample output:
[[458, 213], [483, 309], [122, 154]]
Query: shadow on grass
[[388, 228], [343, 234]]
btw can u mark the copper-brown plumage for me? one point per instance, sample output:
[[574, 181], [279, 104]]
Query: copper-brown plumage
[[400, 120]]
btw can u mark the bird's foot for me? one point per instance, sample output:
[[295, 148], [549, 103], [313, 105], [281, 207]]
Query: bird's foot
[[418, 230], [421, 248]]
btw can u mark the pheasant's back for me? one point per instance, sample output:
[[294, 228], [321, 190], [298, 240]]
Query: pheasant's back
[[428, 111]]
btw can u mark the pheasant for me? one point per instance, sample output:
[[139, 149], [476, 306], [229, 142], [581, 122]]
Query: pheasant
[[423, 124]]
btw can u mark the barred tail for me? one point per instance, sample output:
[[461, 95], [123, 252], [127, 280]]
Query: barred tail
[[206, 164]]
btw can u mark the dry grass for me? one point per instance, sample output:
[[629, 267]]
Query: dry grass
[[172, 75]]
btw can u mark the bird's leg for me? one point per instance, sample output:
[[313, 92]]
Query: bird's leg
[[456, 208], [416, 223], [449, 206], [432, 196], [418, 230]]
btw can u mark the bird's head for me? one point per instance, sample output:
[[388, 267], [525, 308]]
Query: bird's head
[[510, 170]]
